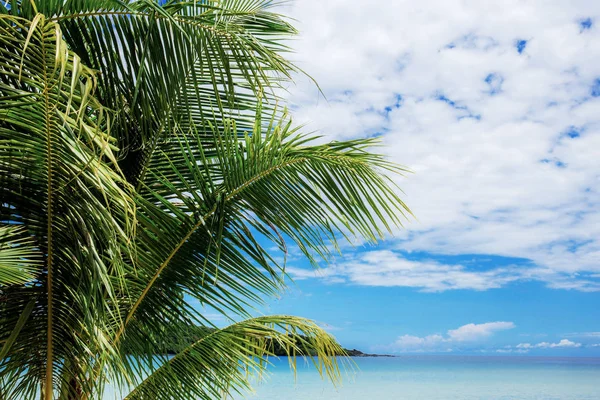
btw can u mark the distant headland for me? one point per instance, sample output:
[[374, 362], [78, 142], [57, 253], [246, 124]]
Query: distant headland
[[358, 353], [190, 334]]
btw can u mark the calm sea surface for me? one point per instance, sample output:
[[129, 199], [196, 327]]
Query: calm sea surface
[[437, 377], [443, 377]]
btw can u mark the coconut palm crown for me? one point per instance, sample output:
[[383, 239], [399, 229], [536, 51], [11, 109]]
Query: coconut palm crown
[[146, 173]]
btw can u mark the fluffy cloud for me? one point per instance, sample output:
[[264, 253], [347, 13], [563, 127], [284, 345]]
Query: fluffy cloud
[[390, 268], [564, 343], [472, 332], [416, 343], [387, 268], [465, 334], [495, 109]]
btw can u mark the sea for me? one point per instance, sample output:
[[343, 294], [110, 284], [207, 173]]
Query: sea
[[433, 377], [439, 377]]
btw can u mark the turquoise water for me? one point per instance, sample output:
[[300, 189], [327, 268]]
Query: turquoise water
[[436, 378], [442, 377]]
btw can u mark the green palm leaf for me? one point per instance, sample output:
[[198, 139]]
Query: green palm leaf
[[60, 182], [19, 258], [219, 51], [222, 362], [203, 232]]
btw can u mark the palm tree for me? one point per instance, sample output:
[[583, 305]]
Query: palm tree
[[145, 171]]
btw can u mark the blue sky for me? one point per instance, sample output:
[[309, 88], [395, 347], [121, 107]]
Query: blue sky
[[390, 319], [495, 106]]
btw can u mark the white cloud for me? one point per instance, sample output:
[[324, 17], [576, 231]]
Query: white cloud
[[472, 332], [503, 144], [564, 343], [469, 333], [389, 268], [525, 346]]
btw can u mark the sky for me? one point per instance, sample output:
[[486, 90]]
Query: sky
[[495, 107]]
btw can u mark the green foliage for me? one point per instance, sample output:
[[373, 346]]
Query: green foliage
[[144, 166], [19, 259], [190, 334], [221, 361]]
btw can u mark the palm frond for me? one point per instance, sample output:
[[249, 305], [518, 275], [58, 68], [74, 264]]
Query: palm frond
[[213, 207], [20, 260], [221, 363], [61, 184], [210, 53]]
